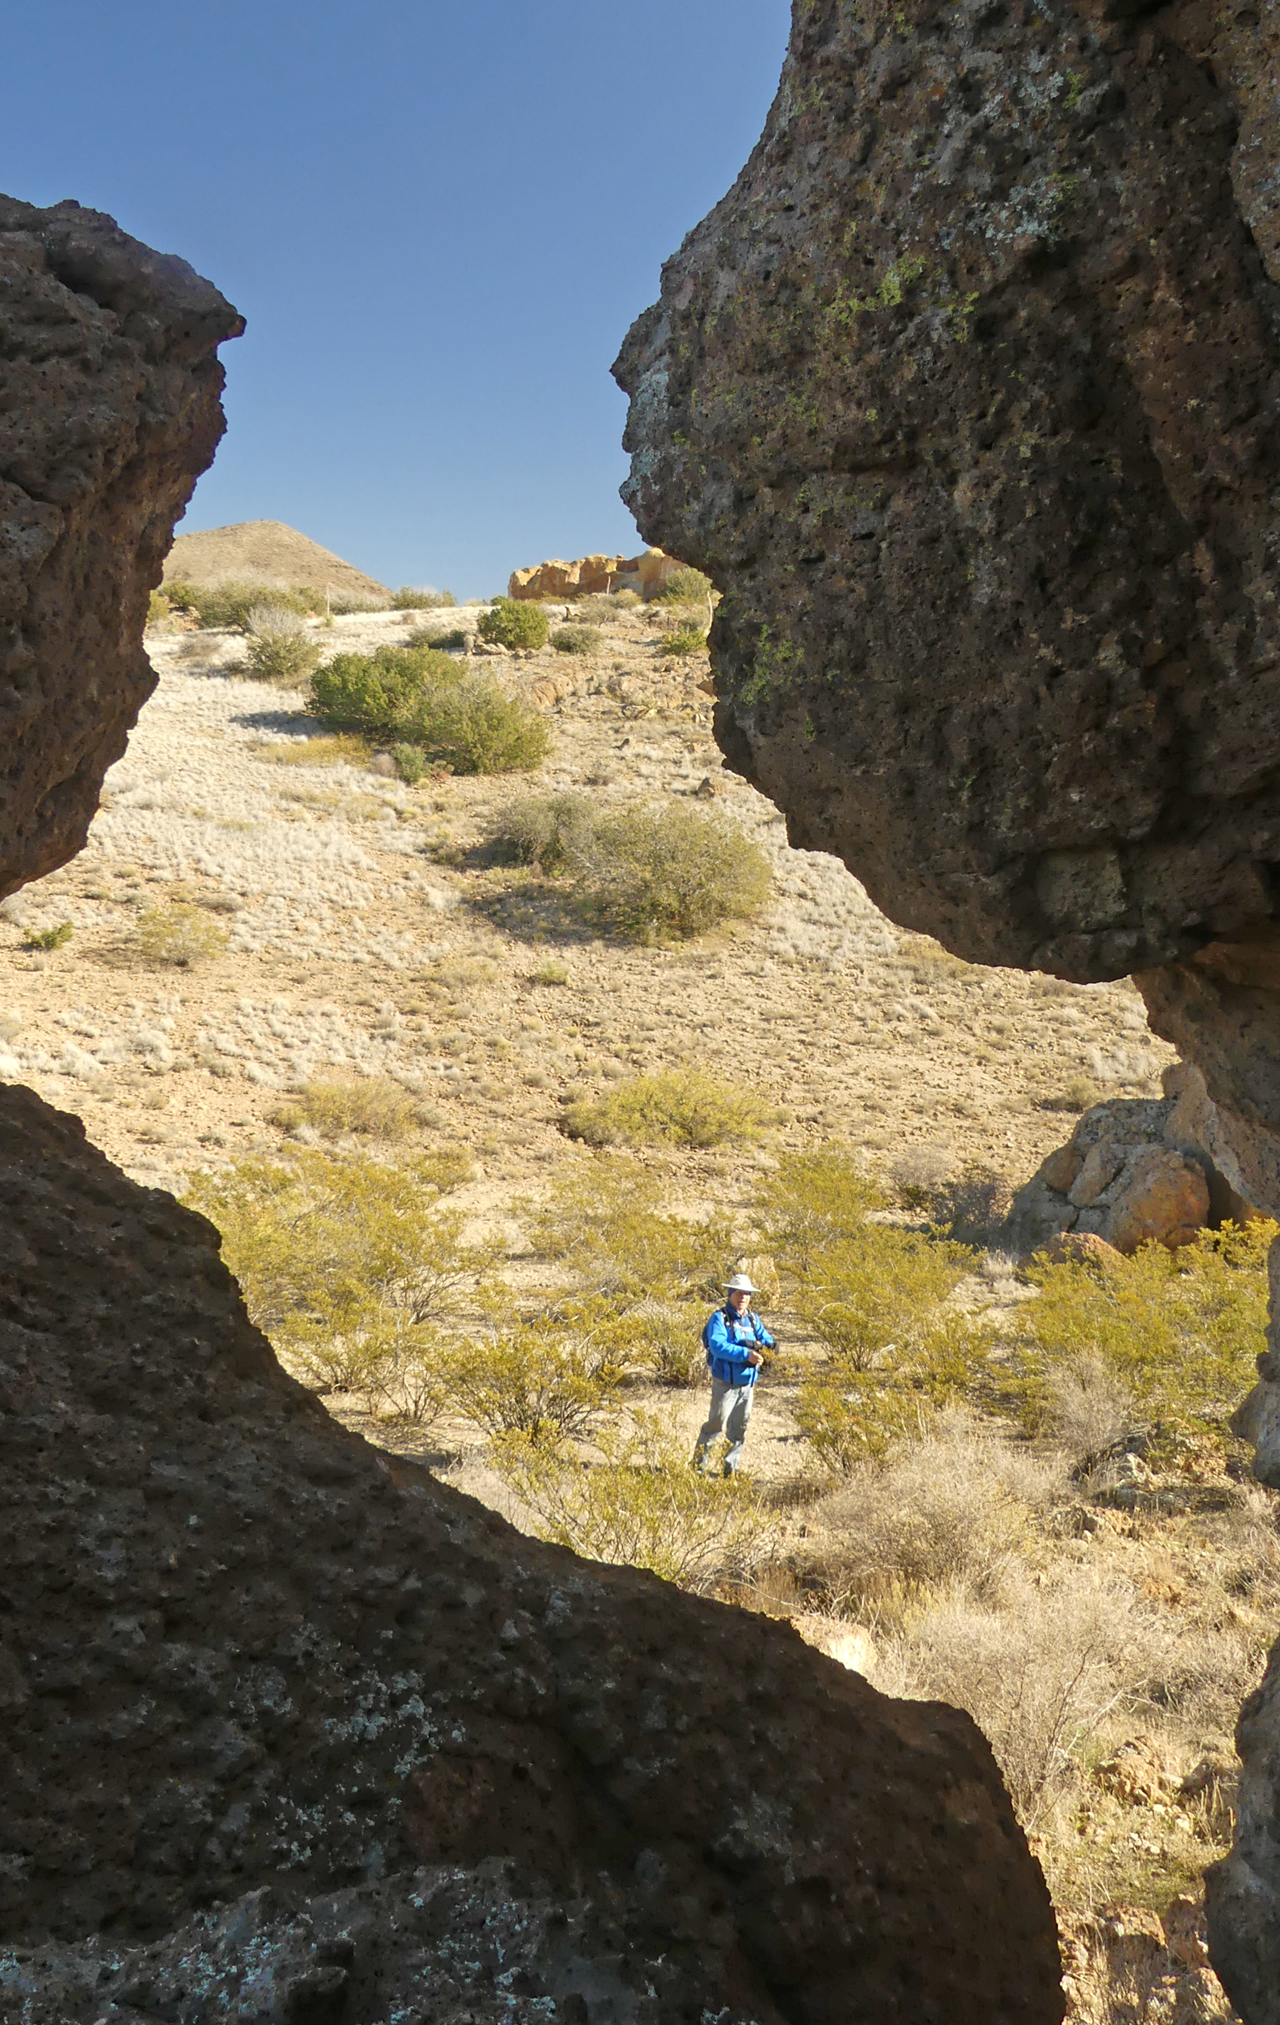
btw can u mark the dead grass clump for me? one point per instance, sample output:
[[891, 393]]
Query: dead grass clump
[[678, 1107], [919, 1172], [956, 1505], [179, 935], [973, 1206], [1039, 1676], [1081, 1093], [457, 979], [372, 1107], [1089, 1407], [641, 1506], [331, 749]]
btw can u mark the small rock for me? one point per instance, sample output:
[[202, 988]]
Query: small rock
[[1079, 1248]]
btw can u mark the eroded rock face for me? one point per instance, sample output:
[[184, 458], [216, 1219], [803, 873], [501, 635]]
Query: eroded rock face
[[965, 396], [239, 1648], [109, 412]]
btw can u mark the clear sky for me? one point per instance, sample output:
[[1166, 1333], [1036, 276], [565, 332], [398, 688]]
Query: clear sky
[[438, 216]]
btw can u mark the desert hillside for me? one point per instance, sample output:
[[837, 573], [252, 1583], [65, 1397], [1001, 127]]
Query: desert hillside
[[267, 552]]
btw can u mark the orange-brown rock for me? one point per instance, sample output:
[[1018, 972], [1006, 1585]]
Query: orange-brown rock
[[595, 576], [1080, 1248]]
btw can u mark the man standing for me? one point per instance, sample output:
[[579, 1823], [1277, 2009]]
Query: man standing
[[734, 1340]]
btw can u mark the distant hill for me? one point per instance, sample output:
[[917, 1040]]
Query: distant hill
[[268, 552]]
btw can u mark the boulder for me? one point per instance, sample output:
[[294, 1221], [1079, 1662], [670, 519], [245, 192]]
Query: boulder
[[242, 1651], [595, 576], [109, 412], [1119, 1181], [1080, 1248]]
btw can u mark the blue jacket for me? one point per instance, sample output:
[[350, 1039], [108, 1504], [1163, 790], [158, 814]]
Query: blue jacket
[[727, 1338]]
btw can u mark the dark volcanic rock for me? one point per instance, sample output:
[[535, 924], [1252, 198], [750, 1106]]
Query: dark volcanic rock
[[109, 412], [965, 396], [239, 1648]]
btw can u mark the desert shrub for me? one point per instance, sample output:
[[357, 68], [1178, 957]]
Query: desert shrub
[[604, 1223], [683, 640], [656, 871], [606, 604], [411, 763], [338, 1258], [49, 938], [372, 1107], [548, 1379], [280, 648], [226, 606], [577, 640], [407, 599], [676, 1107], [1180, 1330], [641, 1506], [685, 586], [418, 696], [179, 934], [665, 1339], [540, 830], [158, 608], [549, 973], [918, 1172], [813, 1200], [514, 622], [454, 641], [973, 1206]]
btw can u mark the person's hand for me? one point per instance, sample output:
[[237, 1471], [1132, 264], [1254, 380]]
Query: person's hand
[[754, 1357]]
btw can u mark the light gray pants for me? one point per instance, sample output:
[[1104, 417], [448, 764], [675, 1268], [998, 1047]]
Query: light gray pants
[[730, 1412]]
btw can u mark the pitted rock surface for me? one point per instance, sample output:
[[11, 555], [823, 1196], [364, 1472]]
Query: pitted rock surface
[[239, 1648], [966, 397], [109, 412]]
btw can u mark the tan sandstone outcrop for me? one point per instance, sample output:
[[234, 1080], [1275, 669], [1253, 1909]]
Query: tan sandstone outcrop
[[975, 424], [1128, 1174], [290, 1730], [595, 576]]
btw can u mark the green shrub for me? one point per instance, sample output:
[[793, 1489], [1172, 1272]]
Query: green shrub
[[603, 1222], [411, 763], [180, 935], [577, 640], [677, 1107], [372, 1106], [852, 1412], [814, 1200], [158, 608], [1179, 1330], [683, 640], [514, 622], [339, 1258], [452, 642], [641, 1506], [550, 973], [280, 648], [879, 1288], [49, 938], [407, 599], [546, 1380], [418, 696], [665, 1339], [657, 871], [685, 586], [227, 606]]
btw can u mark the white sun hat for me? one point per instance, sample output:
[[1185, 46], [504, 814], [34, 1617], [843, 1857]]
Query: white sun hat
[[741, 1284]]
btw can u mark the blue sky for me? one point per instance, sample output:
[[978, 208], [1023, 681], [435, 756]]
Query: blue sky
[[438, 216]]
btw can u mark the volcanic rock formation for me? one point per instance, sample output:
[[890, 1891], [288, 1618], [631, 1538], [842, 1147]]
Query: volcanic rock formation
[[109, 412], [291, 1731], [966, 398]]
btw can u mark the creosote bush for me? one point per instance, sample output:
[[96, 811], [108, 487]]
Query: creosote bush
[[603, 1223], [419, 697], [641, 1506], [577, 640], [677, 1107], [685, 586], [682, 641], [514, 622], [372, 1107], [47, 939], [179, 935], [547, 1379], [340, 1259], [1180, 1331]]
